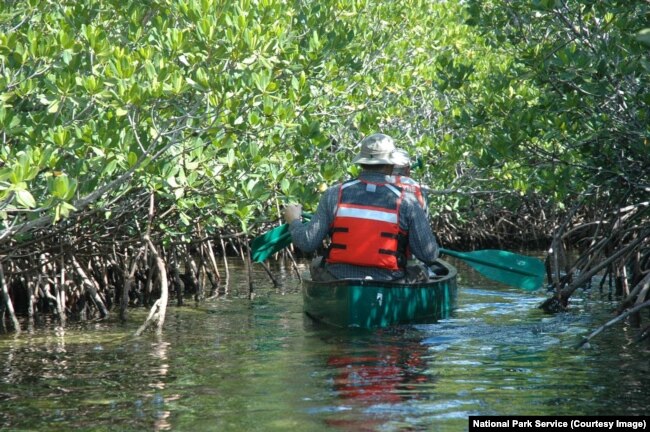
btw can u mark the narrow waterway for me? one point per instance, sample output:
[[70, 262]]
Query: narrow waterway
[[230, 364]]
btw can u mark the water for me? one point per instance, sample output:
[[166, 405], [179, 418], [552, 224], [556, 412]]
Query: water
[[230, 364]]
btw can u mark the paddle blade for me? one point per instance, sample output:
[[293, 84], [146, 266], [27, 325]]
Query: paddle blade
[[512, 269], [270, 242], [273, 241]]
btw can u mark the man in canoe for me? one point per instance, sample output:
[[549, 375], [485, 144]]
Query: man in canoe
[[402, 176], [371, 223]]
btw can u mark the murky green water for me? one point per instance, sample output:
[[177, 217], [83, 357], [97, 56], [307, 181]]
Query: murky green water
[[233, 365]]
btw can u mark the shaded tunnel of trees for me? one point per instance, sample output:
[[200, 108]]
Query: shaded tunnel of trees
[[142, 145]]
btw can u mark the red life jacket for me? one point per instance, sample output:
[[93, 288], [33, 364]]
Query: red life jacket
[[368, 235], [409, 185]]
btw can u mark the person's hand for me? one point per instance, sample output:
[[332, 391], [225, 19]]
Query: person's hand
[[292, 212]]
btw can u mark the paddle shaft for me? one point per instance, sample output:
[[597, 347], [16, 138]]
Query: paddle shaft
[[459, 255]]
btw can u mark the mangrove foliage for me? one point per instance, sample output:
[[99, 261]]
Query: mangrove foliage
[[142, 142]]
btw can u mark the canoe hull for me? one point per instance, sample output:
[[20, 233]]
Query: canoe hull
[[376, 304]]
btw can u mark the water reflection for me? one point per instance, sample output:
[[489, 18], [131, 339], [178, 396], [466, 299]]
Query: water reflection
[[85, 376], [159, 383], [375, 373]]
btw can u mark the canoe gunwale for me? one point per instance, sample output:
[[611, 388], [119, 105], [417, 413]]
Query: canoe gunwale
[[452, 273]]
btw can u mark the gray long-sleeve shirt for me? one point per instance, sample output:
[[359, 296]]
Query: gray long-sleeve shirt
[[422, 243]]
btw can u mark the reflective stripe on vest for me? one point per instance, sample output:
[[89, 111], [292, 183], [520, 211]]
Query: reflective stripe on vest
[[367, 235], [365, 213]]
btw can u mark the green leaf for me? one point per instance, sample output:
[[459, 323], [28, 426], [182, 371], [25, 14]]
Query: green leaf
[[63, 210], [285, 186], [184, 219], [60, 186], [54, 107], [132, 159], [25, 198], [644, 36], [72, 189], [5, 173], [230, 158]]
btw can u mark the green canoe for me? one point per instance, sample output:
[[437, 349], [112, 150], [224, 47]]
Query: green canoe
[[373, 304]]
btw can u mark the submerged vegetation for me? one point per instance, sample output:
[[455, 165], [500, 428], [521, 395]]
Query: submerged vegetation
[[141, 141]]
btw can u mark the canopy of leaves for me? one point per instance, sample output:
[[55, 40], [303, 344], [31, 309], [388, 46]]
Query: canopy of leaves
[[228, 109]]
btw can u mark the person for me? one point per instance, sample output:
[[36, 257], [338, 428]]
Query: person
[[402, 176], [370, 222]]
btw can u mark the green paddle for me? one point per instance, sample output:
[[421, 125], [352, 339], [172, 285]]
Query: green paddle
[[269, 243], [513, 269], [272, 241]]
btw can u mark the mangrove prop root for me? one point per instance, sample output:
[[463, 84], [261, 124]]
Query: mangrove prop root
[[270, 274], [613, 321], [129, 280], [91, 288], [7, 301], [158, 310]]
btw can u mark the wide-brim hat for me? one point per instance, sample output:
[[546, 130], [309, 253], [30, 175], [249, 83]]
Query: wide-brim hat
[[376, 149], [401, 158]]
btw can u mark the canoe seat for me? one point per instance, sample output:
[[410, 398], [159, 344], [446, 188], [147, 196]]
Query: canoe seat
[[438, 269]]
